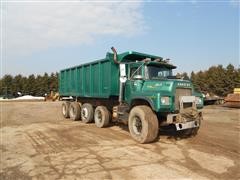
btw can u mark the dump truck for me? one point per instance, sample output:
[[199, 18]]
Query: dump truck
[[134, 88]]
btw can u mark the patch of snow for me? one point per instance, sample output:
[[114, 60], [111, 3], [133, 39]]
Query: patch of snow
[[24, 98], [28, 97]]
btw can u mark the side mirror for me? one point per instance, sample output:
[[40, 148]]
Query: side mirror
[[138, 77]]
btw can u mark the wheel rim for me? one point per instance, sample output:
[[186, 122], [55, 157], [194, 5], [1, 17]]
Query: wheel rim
[[137, 125], [84, 113], [99, 116]]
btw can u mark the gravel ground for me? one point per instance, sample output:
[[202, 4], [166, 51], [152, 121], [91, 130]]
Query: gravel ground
[[38, 143]]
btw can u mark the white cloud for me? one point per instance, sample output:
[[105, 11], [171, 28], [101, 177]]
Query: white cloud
[[32, 27]]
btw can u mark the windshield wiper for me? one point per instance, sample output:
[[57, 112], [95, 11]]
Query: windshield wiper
[[158, 78], [173, 77]]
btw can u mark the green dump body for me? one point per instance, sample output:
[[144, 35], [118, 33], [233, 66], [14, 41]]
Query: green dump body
[[97, 79]]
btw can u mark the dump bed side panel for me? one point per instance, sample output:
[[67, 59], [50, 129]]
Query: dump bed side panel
[[99, 79]]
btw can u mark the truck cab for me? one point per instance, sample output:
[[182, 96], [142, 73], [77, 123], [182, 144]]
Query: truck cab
[[154, 82], [149, 84]]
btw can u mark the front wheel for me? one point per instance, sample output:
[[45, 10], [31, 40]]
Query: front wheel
[[190, 132], [143, 124], [195, 130]]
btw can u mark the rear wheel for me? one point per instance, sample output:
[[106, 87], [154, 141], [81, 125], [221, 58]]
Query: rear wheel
[[75, 111], [65, 109], [87, 113], [143, 124], [101, 116]]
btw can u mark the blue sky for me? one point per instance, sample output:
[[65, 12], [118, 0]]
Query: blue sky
[[195, 35]]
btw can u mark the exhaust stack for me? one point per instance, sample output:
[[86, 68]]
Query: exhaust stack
[[122, 79], [115, 55]]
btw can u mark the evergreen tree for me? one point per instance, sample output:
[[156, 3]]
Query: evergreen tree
[[183, 75], [216, 80], [31, 85], [17, 84], [7, 82]]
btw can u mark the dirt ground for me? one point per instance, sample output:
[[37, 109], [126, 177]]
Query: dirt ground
[[38, 143]]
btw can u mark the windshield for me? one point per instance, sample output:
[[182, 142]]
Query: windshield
[[156, 72]]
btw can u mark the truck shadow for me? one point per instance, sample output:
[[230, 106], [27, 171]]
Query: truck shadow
[[169, 132]]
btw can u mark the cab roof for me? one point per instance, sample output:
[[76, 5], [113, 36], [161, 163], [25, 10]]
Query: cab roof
[[133, 56], [162, 63]]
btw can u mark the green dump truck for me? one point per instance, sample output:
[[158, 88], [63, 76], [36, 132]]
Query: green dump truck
[[134, 88]]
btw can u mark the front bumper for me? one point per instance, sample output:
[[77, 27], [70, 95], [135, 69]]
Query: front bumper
[[181, 121], [187, 125]]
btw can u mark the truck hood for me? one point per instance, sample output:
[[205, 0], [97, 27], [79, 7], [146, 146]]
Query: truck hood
[[167, 85]]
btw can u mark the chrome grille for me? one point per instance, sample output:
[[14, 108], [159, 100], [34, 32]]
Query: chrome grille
[[181, 92]]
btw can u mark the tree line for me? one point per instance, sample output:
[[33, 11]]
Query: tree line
[[217, 80], [28, 85]]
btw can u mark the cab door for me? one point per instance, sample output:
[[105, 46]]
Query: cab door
[[133, 70]]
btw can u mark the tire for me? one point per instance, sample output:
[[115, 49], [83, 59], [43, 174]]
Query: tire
[[143, 124], [74, 111], [87, 113], [101, 116], [190, 132], [195, 130], [185, 132], [65, 109]]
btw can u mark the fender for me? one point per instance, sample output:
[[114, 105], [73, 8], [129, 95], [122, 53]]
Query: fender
[[148, 100]]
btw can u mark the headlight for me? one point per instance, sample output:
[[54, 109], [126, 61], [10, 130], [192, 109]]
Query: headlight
[[198, 100], [165, 100]]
